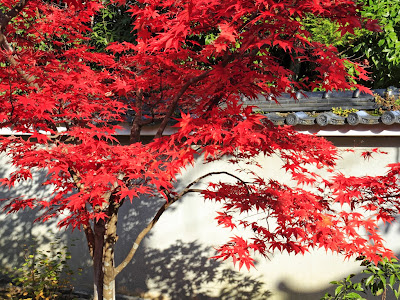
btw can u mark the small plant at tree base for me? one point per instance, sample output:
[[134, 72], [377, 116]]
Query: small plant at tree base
[[45, 274], [377, 280]]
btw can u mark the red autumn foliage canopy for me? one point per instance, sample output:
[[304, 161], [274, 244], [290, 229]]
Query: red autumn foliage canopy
[[192, 61]]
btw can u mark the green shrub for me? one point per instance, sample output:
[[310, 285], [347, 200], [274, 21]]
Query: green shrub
[[378, 280], [43, 275]]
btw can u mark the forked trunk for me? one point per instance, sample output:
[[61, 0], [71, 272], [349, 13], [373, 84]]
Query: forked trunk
[[102, 239], [105, 237]]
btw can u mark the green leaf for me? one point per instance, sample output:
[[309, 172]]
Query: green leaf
[[327, 296], [353, 295], [357, 47], [397, 292], [358, 287], [379, 292], [338, 289], [383, 279], [392, 280], [370, 280]]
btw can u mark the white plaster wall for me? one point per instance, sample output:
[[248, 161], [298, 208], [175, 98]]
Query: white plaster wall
[[286, 276], [174, 258]]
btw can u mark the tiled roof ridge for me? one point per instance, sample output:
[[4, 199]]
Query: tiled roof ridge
[[316, 107]]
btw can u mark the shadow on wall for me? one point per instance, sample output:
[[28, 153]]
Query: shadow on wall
[[185, 271], [19, 232], [293, 294], [21, 236], [131, 220], [16, 230], [182, 270]]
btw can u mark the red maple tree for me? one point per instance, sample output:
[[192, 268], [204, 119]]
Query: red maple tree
[[191, 62]]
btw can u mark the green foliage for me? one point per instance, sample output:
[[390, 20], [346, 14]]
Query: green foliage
[[382, 49], [110, 25], [43, 275], [343, 112], [377, 280], [379, 52], [326, 31]]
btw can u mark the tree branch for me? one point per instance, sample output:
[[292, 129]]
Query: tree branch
[[185, 191], [175, 100], [13, 62], [89, 237], [228, 58], [161, 210], [137, 122], [7, 17], [140, 237], [75, 177]]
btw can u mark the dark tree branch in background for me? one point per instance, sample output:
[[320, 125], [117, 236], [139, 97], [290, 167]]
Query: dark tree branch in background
[[174, 102], [5, 18], [137, 122]]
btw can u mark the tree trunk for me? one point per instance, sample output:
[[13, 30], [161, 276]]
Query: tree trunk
[[102, 240], [105, 237], [98, 273], [108, 253]]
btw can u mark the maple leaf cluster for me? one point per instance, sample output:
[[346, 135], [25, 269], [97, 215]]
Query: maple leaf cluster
[[308, 211], [192, 61]]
